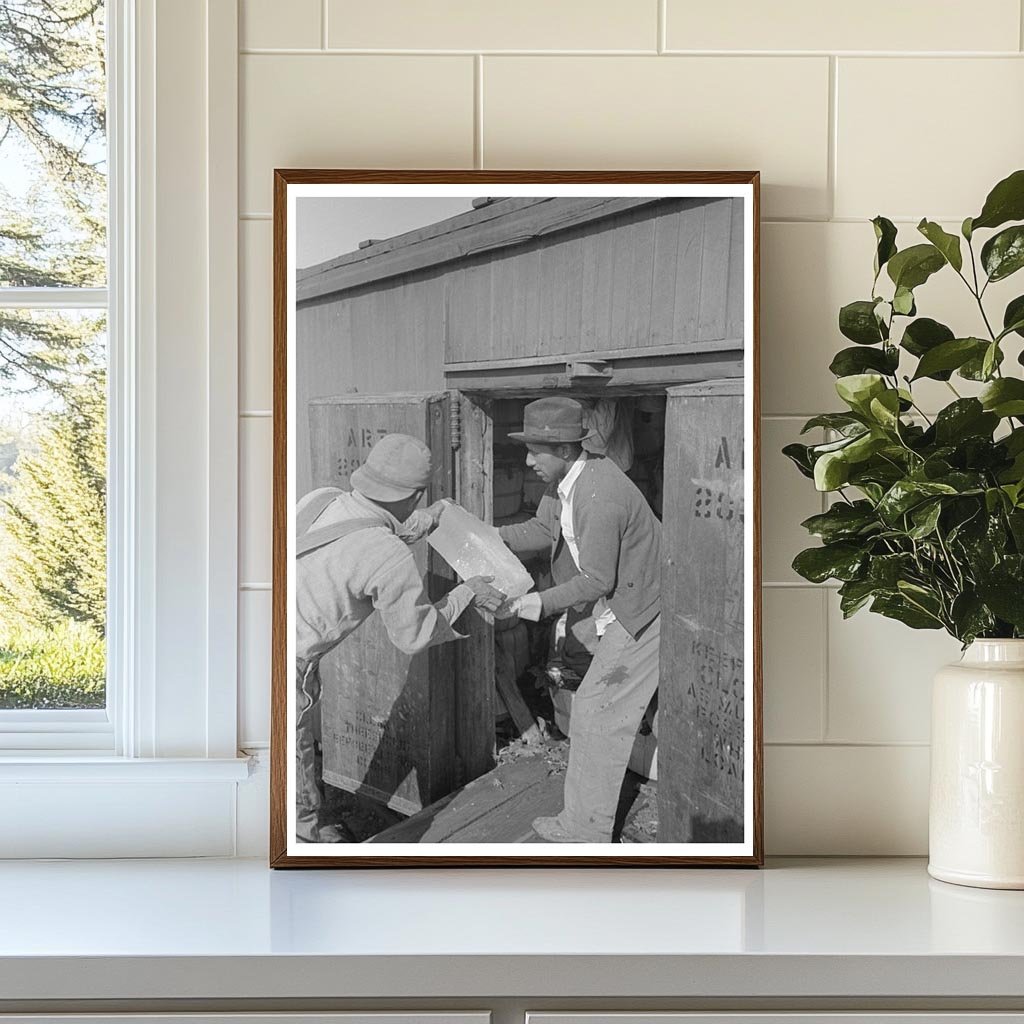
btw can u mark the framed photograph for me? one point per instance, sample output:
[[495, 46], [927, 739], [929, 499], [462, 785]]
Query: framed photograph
[[516, 559]]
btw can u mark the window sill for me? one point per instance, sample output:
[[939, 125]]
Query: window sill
[[74, 805], [77, 766]]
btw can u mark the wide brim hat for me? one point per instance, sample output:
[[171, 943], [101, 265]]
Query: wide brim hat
[[553, 420], [397, 467]]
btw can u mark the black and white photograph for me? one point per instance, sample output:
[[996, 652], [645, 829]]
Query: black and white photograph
[[516, 560]]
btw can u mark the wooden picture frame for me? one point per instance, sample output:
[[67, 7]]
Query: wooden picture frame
[[557, 287]]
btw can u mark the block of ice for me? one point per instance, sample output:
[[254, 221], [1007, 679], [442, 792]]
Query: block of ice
[[472, 548]]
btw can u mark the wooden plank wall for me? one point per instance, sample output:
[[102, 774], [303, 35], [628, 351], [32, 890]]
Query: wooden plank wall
[[659, 275], [701, 696], [374, 340]]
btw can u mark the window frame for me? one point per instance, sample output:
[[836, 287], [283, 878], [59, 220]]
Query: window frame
[[173, 469], [93, 729]]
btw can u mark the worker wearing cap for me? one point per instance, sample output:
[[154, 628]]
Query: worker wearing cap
[[353, 559], [604, 544]]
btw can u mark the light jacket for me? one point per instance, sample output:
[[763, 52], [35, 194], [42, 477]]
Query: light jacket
[[338, 586], [619, 541]]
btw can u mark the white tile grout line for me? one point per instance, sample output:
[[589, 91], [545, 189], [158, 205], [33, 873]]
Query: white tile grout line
[[831, 172], [663, 26], [1020, 22], [254, 586], [254, 414], [478, 111], [854, 744], [823, 723], [323, 24], [261, 51]]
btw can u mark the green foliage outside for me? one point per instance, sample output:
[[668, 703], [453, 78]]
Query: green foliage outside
[[927, 526], [53, 523], [59, 667], [52, 365]]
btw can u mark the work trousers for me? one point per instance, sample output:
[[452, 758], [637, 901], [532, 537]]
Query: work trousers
[[309, 793], [606, 713]]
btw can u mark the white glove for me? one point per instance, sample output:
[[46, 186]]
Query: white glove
[[526, 607]]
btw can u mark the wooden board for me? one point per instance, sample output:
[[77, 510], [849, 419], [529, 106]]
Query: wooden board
[[387, 720], [645, 276], [474, 656], [701, 694], [499, 807]]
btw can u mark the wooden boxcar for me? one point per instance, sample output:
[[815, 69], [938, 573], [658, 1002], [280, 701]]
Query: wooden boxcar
[[446, 332]]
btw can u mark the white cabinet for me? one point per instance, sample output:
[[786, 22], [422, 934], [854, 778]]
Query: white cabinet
[[786, 1017]]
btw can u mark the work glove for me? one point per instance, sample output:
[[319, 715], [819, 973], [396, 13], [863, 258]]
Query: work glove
[[485, 597], [527, 607], [435, 511]]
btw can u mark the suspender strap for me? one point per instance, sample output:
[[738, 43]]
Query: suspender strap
[[307, 540], [328, 534], [311, 512]]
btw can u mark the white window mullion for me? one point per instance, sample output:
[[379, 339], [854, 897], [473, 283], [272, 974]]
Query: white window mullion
[[53, 298]]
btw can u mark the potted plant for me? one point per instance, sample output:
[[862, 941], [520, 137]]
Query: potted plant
[[927, 521]]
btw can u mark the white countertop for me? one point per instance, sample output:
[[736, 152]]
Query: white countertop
[[235, 929]]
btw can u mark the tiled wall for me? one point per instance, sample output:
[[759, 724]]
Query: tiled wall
[[907, 109]]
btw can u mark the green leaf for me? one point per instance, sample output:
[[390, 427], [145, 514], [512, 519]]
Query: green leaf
[[990, 360], [885, 409], [965, 229], [1013, 317], [966, 417], [947, 244], [887, 570], [840, 561], [1003, 254], [1004, 397], [885, 237], [799, 455], [858, 389], [1006, 599], [912, 267], [974, 368], [970, 617], [923, 335], [996, 499], [872, 491], [899, 608], [817, 450], [950, 355], [841, 421], [904, 495], [857, 321], [1005, 202], [831, 471], [903, 302], [849, 361], [854, 594], [842, 521], [925, 518]]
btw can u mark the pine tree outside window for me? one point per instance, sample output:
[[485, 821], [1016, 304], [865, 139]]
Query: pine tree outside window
[[53, 368]]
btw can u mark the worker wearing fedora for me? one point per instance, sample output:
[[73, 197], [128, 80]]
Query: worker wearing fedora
[[604, 544], [353, 559]]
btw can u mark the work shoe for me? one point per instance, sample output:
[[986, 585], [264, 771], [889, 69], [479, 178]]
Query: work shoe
[[336, 833], [551, 830]]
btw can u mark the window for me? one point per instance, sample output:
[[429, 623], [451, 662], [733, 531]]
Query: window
[[155, 771], [53, 369]]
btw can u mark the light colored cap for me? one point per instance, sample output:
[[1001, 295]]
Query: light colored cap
[[398, 465]]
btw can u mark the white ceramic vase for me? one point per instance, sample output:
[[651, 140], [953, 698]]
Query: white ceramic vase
[[976, 813]]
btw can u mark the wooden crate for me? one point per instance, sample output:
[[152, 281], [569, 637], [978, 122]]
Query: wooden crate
[[701, 693], [389, 721]]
